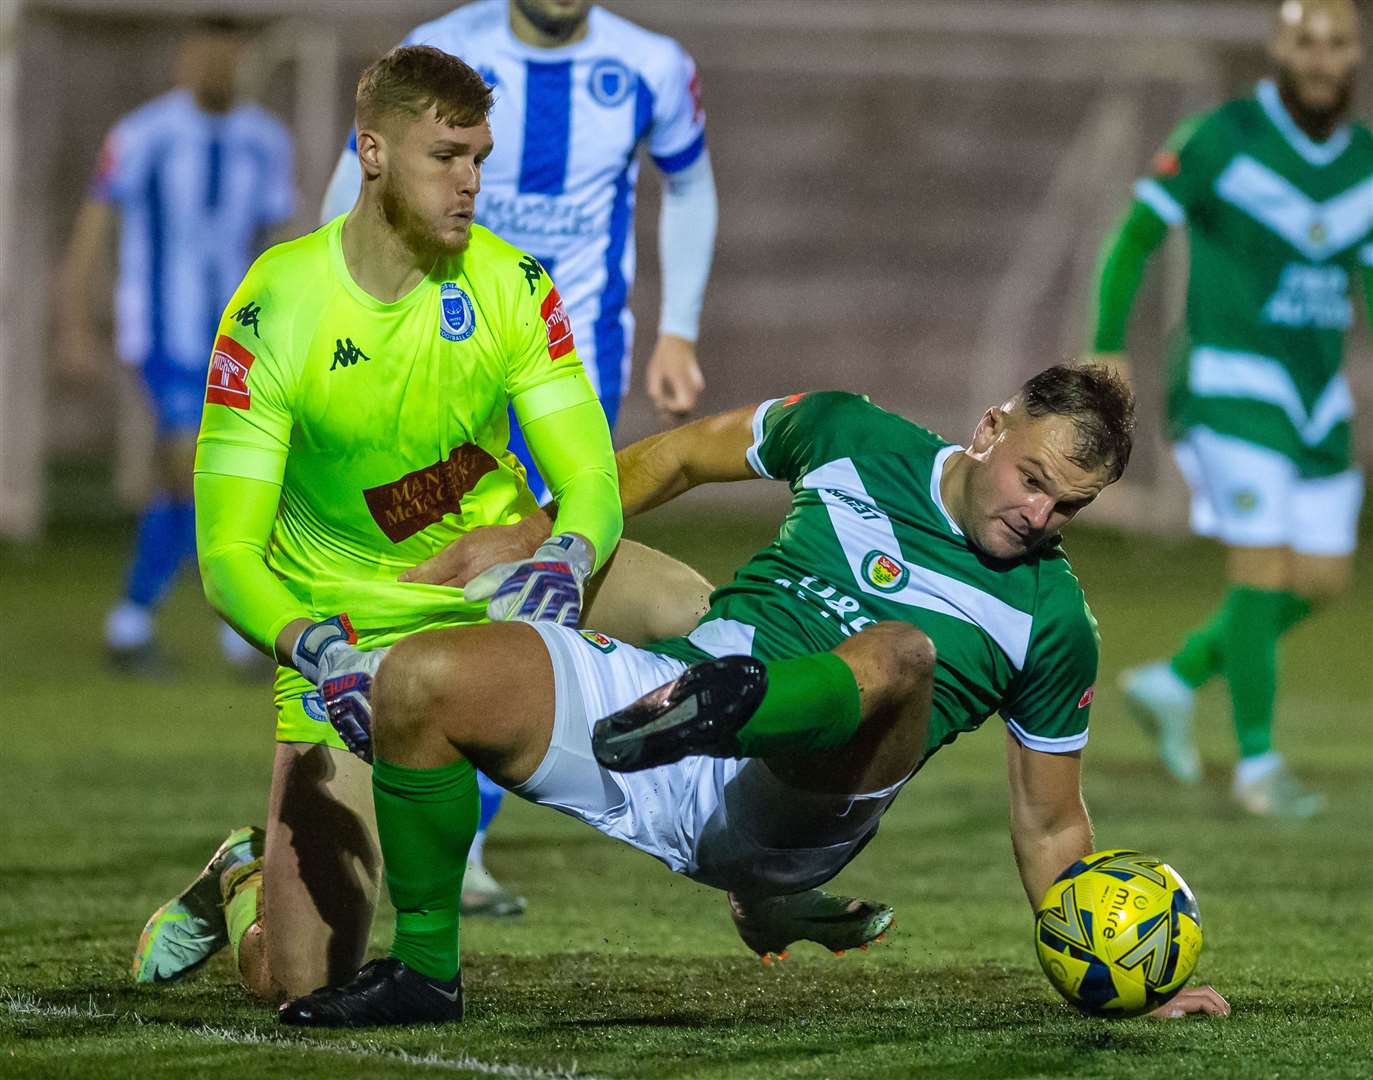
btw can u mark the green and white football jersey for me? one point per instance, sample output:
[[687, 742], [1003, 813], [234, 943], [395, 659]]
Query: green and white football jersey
[[1278, 226], [868, 540]]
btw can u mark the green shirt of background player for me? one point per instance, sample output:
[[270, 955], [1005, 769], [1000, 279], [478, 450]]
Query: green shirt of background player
[[1276, 193], [355, 426], [914, 589]]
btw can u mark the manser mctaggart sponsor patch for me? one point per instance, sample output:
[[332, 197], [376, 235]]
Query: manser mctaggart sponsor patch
[[421, 498]]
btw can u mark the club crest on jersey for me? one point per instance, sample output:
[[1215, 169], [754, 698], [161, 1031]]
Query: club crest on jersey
[[457, 317], [885, 573], [597, 640], [228, 381], [610, 82], [557, 323], [313, 704]]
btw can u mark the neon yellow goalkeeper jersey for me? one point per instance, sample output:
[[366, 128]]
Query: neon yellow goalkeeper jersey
[[385, 423]]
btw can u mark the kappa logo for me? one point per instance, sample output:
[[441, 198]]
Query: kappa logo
[[346, 354], [228, 381], [558, 325], [885, 573], [457, 317], [532, 273], [610, 82], [247, 316], [598, 640]]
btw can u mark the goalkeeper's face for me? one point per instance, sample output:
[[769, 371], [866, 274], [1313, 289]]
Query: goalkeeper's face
[[430, 177], [1024, 487]]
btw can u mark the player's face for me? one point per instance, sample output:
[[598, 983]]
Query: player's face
[[1318, 49], [207, 65], [431, 174], [556, 18], [1024, 488]]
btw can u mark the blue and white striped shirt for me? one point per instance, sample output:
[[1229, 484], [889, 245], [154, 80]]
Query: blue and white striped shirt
[[194, 190], [560, 182]]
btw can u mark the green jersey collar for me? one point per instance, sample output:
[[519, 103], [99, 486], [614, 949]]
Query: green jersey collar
[[356, 291], [1315, 153], [936, 475]]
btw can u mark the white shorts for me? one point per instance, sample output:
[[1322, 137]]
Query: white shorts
[[1249, 496], [727, 823]]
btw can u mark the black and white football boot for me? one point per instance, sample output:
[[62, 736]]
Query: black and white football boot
[[383, 992], [699, 712]]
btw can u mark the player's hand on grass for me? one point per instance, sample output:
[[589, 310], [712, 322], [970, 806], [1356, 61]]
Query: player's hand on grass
[[326, 654], [481, 549], [547, 587], [1193, 1001], [673, 378]]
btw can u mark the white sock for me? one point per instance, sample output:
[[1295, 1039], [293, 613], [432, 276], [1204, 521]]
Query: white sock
[[1252, 769], [128, 626], [474, 853]]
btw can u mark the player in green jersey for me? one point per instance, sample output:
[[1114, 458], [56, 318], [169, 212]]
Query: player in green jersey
[[1276, 192], [356, 425], [915, 588]]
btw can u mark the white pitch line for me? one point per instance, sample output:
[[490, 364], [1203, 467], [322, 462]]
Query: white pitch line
[[28, 1005]]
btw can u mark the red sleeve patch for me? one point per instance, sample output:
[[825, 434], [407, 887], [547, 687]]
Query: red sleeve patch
[[1087, 696], [792, 400], [694, 89], [1167, 163], [558, 325], [228, 382]]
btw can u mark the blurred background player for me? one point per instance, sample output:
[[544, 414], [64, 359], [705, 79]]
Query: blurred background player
[[1276, 191], [577, 90], [196, 179]]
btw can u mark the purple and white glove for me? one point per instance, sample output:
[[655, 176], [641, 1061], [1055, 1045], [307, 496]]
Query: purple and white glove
[[546, 587], [325, 654]]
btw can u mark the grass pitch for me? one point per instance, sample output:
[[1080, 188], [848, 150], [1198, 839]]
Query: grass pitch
[[115, 791]]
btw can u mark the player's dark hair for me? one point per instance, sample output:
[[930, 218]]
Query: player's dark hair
[[412, 79], [1101, 406]]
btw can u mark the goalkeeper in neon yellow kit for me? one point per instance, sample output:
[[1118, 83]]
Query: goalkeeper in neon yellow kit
[[356, 426]]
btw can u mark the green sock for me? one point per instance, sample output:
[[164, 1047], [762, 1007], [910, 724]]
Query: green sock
[[811, 704], [1258, 618], [1203, 652], [243, 888], [426, 819]]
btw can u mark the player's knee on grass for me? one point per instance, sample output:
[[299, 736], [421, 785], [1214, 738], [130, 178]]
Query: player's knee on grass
[[893, 663]]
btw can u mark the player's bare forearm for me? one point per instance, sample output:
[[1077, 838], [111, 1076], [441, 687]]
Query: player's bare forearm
[[657, 469], [1050, 828], [1041, 856]]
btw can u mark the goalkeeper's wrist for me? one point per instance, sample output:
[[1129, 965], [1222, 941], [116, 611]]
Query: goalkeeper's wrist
[[571, 548], [315, 642]]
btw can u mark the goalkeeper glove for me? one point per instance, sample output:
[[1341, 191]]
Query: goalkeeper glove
[[325, 654], [546, 587]]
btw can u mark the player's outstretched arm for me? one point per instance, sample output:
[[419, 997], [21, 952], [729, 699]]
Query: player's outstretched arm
[[1120, 269], [661, 467], [1050, 828]]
